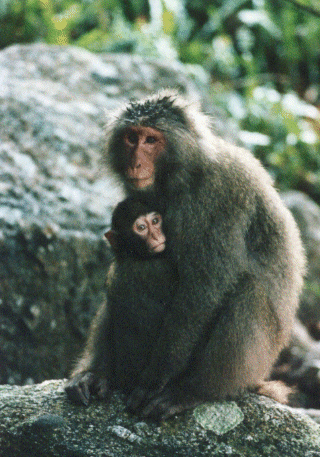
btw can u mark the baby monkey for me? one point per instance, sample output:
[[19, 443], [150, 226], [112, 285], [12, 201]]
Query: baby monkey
[[140, 285], [136, 230]]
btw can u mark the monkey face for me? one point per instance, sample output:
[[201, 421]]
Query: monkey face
[[143, 146], [149, 228]]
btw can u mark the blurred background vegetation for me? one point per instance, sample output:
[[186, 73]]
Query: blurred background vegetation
[[262, 58]]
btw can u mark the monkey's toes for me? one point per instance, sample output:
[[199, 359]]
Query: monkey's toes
[[136, 399], [78, 388], [102, 389]]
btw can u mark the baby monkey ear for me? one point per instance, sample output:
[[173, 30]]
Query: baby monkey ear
[[112, 237]]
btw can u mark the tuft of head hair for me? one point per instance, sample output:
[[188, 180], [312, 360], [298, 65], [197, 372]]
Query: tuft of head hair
[[181, 120], [150, 111], [126, 212], [157, 110]]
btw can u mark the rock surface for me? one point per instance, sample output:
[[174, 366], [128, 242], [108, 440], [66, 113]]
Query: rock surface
[[37, 421], [55, 199]]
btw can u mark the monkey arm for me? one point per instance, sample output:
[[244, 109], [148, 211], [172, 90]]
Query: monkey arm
[[204, 281], [210, 266], [97, 350], [91, 373], [185, 331]]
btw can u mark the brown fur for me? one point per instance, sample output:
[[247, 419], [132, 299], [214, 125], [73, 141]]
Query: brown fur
[[237, 255]]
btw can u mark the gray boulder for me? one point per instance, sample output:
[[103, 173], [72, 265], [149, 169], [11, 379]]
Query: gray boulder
[[37, 421], [55, 197], [307, 215]]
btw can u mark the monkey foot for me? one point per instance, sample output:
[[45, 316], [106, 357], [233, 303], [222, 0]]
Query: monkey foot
[[160, 405], [80, 387]]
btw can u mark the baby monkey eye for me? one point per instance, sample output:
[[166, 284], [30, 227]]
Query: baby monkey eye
[[150, 139], [141, 227], [156, 220]]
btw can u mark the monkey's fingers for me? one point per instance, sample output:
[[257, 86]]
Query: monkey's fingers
[[102, 389], [78, 395], [78, 388], [174, 409], [157, 407], [137, 399], [168, 404]]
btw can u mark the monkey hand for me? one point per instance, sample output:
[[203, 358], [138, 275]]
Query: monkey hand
[[81, 386], [160, 406], [138, 398], [143, 395]]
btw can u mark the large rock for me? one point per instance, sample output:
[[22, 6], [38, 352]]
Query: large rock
[[307, 215], [54, 199], [37, 421]]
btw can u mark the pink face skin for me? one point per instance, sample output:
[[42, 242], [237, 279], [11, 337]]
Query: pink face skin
[[149, 228], [143, 146]]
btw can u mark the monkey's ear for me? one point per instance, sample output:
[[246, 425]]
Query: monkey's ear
[[112, 237]]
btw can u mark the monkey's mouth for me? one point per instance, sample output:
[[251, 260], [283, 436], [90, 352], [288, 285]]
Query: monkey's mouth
[[141, 183], [159, 248]]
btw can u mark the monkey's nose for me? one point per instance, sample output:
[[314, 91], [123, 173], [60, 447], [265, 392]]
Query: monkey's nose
[[135, 166]]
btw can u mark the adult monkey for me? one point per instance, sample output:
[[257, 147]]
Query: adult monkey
[[235, 246]]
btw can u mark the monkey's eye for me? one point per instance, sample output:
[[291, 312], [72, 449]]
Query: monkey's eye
[[150, 139], [156, 220], [132, 137], [141, 227]]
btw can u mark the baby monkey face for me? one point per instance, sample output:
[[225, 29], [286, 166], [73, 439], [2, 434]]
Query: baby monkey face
[[149, 228]]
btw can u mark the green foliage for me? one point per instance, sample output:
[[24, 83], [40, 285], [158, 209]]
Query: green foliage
[[263, 57], [282, 130]]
